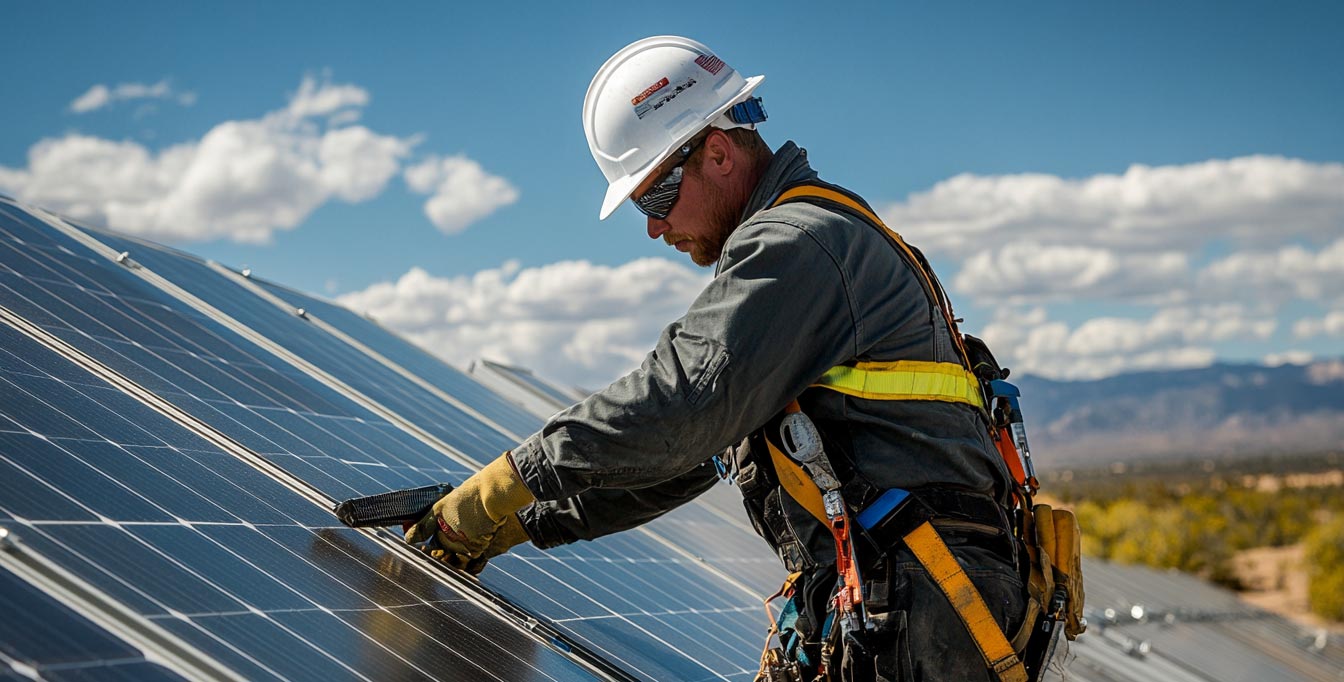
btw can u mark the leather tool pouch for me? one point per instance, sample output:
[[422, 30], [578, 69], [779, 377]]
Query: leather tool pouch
[[783, 523], [1054, 585], [1059, 537]]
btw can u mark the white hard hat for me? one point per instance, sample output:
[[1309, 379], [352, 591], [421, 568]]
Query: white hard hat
[[648, 100]]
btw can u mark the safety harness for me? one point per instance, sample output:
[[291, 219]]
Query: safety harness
[[928, 381]]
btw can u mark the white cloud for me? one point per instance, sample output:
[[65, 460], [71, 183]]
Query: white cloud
[[315, 99], [1332, 325], [1028, 341], [1278, 275], [97, 97], [463, 192], [1026, 271], [101, 95], [243, 180], [1288, 357], [1249, 200], [583, 324]]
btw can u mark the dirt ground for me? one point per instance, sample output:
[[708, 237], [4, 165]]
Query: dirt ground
[[1276, 580]]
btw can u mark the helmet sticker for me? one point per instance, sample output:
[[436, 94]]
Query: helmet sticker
[[710, 63], [645, 106], [634, 102]]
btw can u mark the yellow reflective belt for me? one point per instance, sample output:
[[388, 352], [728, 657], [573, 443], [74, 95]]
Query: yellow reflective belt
[[932, 552], [905, 380]]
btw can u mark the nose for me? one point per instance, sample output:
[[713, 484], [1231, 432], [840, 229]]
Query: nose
[[657, 228]]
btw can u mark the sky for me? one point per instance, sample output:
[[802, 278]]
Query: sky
[[1102, 187]]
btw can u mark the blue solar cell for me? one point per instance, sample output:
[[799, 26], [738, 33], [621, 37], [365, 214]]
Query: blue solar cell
[[452, 425], [206, 471], [140, 671], [273, 558], [220, 567], [49, 637], [414, 359], [93, 487], [280, 652]]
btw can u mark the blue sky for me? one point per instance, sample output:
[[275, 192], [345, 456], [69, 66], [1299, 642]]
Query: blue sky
[[891, 99]]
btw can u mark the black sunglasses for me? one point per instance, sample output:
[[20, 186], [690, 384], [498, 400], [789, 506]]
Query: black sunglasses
[[658, 201]]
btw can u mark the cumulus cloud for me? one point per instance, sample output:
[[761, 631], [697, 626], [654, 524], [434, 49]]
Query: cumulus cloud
[[462, 192], [582, 323], [1028, 341], [1210, 252], [1246, 200], [243, 180], [1288, 357], [1330, 325], [1027, 271], [1279, 274], [101, 95], [315, 98]]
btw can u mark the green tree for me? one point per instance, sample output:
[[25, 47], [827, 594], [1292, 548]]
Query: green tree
[[1324, 549]]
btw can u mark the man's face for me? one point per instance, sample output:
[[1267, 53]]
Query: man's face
[[702, 218]]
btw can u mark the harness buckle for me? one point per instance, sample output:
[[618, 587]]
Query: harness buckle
[[890, 517]]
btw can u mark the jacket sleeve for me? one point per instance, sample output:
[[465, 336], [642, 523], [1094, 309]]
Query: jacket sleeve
[[778, 315], [601, 511]]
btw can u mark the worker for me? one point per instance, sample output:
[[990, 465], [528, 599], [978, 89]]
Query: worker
[[800, 288]]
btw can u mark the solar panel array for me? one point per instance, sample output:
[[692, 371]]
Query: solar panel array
[[229, 550], [1166, 626]]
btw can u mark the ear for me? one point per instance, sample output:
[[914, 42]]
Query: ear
[[720, 154]]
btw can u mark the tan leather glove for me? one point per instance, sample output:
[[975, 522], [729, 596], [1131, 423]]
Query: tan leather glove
[[510, 534], [466, 519]]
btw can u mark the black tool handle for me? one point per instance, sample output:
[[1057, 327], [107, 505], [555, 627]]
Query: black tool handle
[[394, 508]]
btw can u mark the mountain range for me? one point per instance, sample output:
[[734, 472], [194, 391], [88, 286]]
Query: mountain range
[[1223, 409]]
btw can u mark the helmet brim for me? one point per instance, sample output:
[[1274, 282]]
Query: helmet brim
[[621, 188]]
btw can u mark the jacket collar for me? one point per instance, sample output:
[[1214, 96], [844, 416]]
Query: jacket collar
[[788, 167]]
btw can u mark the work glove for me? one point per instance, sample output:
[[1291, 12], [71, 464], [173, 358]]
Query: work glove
[[465, 520], [511, 533]]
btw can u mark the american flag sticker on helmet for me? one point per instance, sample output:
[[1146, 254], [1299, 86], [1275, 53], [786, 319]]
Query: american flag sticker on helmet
[[710, 63]]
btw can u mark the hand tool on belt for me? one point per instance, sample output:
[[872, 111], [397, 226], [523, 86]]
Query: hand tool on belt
[[801, 440]]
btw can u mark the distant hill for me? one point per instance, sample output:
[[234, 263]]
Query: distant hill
[[1221, 409]]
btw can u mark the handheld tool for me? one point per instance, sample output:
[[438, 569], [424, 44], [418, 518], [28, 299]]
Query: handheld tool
[[1008, 417], [803, 443], [398, 507]]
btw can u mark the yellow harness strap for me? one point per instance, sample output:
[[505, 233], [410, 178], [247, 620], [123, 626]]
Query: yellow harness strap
[[903, 379], [932, 552], [797, 483]]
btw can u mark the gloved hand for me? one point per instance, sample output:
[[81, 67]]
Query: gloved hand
[[466, 519], [511, 533]]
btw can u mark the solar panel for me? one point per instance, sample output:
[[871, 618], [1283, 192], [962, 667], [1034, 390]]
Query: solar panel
[[531, 382], [270, 586], [452, 423], [414, 359], [167, 346], [46, 638]]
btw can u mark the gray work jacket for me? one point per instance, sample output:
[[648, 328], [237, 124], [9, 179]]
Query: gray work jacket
[[799, 289]]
